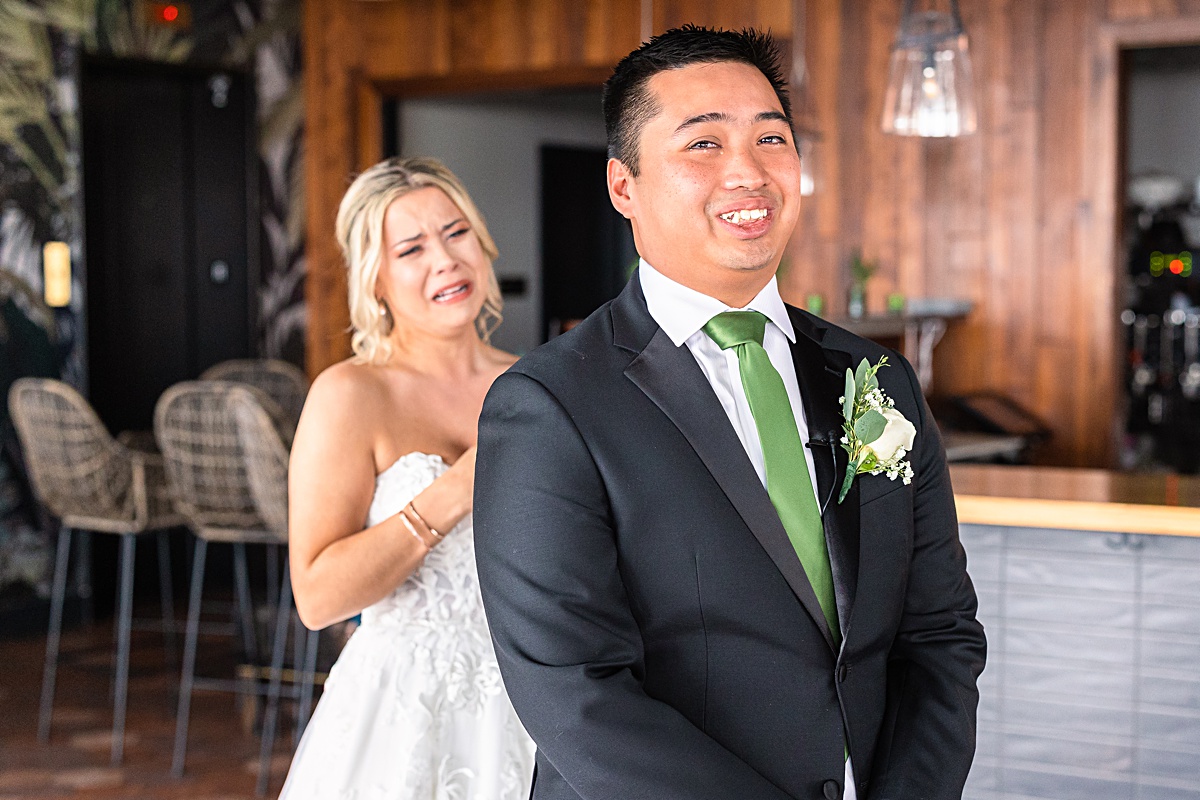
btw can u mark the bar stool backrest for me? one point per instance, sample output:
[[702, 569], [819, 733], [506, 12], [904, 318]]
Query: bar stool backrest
[[266, 458], [283, 382], [76, 467], [205, 466]]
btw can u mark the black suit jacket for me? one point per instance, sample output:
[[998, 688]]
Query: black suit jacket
[[654, 627]]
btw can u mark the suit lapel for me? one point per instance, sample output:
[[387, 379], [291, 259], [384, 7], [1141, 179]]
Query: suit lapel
[[664, 372], [822, 373]]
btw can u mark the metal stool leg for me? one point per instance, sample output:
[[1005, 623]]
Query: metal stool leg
[[166, 593], [271, 716], [188, 676], [124, 628], [306, 681], [272, 573], [245, 606], [83, 576], [50, 667]]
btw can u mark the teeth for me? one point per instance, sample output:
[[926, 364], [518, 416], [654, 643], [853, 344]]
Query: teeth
[[744, 216]]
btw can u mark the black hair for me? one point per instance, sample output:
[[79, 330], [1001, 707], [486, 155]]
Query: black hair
[[628, 103]]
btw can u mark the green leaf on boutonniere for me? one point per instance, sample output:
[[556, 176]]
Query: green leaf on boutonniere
[[851, 471], [848, 400], [860, 376], [869, 426]]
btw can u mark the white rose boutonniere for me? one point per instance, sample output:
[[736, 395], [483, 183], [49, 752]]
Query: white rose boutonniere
[[874, 434]]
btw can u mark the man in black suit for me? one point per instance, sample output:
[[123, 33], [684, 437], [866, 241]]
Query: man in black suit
[[679, 609]]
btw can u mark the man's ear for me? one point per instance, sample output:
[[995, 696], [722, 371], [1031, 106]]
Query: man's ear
[[622, 188]]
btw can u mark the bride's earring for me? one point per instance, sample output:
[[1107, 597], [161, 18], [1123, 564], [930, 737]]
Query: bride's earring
[[385, 315]]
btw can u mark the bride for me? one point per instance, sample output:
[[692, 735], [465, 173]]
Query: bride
[[381, 480]]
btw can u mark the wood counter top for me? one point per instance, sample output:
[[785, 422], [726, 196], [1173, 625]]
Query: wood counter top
[[1077, 499]]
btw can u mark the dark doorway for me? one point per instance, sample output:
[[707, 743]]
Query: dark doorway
[[170, 229], [587, 247]]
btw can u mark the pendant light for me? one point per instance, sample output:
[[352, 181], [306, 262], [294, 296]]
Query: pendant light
[[930, 91], [803, 111]]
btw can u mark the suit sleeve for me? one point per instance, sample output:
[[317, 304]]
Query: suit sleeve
[[928, 738], [566, 640]]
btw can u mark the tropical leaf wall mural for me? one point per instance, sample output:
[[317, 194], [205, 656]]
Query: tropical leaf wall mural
[[41, 43]]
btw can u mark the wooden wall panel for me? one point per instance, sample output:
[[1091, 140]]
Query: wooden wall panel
[[355, 52], [1021, 218]]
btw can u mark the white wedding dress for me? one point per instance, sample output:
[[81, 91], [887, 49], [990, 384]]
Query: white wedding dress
[[414, 708]]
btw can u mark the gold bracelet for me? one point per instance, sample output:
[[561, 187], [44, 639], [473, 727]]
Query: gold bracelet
[[412, 530], [430, 528]]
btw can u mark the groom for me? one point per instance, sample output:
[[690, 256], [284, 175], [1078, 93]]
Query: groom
[[681, 606]]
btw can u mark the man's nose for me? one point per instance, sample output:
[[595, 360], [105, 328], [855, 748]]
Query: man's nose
[[744, 170]]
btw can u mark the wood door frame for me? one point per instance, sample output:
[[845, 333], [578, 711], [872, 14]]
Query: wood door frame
[[1103, 165], [372, 94]]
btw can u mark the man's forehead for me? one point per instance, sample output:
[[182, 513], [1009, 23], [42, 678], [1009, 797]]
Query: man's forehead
[[724, 91]]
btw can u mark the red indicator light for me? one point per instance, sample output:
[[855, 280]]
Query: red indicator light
[[170, 13], [1176, 266]]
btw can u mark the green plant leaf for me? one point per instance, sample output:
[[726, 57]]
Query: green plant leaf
[[860, 376], [851, 471], [848, 401], [869, 426]]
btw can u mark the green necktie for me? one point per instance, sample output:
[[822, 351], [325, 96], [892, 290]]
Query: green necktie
[[788, 483]]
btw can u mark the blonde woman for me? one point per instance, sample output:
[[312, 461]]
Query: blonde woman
[[381, 480]]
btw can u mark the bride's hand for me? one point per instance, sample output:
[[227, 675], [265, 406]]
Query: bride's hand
[[462, 475]]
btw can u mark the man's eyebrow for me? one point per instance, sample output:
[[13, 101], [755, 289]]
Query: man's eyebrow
[[721, 116], [700, 119]]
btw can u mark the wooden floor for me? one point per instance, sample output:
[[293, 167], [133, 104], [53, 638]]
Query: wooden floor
[[222, 756]]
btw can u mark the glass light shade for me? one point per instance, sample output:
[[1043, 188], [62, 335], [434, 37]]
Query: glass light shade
[[931, 90], [808, 178], [56, 274]]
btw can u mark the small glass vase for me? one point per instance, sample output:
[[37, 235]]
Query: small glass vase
[[856, 301]]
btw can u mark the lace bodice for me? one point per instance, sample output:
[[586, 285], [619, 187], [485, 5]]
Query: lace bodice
[[414, 706], [444, 590]]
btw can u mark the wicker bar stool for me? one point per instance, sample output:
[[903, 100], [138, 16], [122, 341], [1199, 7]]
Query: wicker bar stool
[[206, 472], [266, 468], [91, 482], [283, 382]]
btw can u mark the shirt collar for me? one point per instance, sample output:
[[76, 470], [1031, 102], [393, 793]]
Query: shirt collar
[[681, 311]]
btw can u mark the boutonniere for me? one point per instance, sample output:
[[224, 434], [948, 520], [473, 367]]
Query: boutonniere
[[874, 434]]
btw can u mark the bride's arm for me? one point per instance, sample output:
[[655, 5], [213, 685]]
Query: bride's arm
[[339, 568]]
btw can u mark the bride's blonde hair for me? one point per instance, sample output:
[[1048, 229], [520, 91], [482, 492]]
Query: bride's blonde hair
[[360, 235]]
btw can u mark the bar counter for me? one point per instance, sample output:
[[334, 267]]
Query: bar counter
[[1077, 499], [1089, 590]]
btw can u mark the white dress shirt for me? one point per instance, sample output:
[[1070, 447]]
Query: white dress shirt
[[682, 314]]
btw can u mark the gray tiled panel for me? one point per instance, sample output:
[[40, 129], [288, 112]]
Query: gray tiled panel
[[1170, 691], [1101, 573], [1057, 541], [1177, 550], [1060, 644], [1147, 791], [1177, 578], [1166, 649], [1164, 618], [1057, 750], [1113, 722], [1093, 678], [1066, 607], [1175, 765], [1179, 728], [1049, 677], [1065, 785]]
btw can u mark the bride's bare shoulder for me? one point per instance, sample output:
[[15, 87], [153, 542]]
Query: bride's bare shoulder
[[346, 388]]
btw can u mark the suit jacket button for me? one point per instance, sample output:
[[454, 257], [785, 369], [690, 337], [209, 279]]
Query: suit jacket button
[[842, 672], [832, 790]]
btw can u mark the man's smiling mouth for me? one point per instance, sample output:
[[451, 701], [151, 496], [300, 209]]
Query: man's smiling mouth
[[745, 216]]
